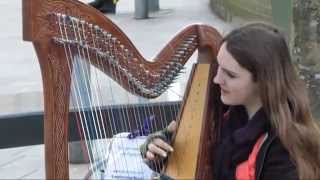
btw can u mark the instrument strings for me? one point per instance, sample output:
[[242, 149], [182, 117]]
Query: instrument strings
[[89, 89]]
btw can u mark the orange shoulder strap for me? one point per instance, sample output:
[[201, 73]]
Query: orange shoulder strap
[[246, 170]]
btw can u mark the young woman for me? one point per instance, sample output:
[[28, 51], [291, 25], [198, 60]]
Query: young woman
[[268, 131]]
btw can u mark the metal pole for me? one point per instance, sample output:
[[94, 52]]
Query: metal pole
[[141, 9], [153, 5]]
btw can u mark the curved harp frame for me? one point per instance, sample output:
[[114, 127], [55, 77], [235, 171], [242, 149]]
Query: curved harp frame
[[41, 26]]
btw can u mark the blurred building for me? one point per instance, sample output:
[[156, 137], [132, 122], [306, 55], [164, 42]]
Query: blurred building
[[300, 20]]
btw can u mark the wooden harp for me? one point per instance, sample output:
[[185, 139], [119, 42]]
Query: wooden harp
[[59, 29]]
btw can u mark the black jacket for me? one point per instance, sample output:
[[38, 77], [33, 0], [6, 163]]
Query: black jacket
[[238, 136], [273, 161]]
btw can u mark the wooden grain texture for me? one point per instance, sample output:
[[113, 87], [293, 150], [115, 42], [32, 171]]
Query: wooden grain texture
[[182, 162]]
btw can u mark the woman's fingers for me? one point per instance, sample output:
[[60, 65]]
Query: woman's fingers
[[172, 127], [158, 147], [150, 156], [156, 150], [162, 144]]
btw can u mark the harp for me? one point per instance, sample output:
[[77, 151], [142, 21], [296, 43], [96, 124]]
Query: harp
[[64, 30]]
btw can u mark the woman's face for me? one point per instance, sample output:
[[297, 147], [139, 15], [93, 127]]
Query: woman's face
[[237, 86]]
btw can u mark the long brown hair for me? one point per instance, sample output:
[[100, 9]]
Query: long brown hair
[[262, 50]]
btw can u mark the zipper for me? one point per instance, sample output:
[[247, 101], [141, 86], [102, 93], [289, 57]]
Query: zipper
[[264, 153]]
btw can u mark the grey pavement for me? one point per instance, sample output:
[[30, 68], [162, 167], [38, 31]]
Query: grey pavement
[[20, 78]]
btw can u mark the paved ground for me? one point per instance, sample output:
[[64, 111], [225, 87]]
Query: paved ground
[[21, 87]]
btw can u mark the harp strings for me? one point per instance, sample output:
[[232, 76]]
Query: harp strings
[[74, 85], [115, 71], [95, 123], [87, 116], [98, 130], [94, 113]]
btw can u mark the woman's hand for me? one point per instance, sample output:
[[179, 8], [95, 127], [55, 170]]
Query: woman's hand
[[158, 147]]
